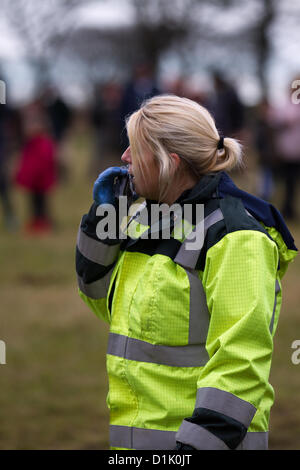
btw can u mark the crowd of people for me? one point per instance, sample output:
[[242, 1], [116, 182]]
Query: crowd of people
[[274, 130], [36, 132]]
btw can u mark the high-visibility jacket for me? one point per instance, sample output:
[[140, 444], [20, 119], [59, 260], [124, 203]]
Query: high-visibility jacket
[[191, 331]]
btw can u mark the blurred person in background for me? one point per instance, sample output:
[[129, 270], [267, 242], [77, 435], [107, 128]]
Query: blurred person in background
[[263, 131], [105, 116], [186, 88], [286, 121], [141, 86], [178, 86], [37, 169], [59, 113], [9, 217], [226, 107], [191, 327]]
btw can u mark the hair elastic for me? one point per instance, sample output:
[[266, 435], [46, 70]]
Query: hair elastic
[[221, 143]]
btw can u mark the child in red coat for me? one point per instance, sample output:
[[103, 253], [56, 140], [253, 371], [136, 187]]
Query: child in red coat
[[37, 171]]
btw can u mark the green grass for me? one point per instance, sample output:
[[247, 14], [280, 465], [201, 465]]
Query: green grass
[[54, 385]]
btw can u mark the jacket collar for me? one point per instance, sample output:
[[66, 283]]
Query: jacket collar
[[262, 210], [202, 191], [220, 185], [141, 218]]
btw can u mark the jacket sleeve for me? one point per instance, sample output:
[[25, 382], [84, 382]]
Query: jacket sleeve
[[240, 282], [95, 261]]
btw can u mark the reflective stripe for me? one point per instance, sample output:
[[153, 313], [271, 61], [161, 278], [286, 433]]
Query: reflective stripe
[[254, 441], [201, 439], [97, 289], [198, 437], [226, 403], [277, 289], [95, 250], [141, 351], [199, 314], [250, 215], [189, 258], [212, 219], [141, 439]]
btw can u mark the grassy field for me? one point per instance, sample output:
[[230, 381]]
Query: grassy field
[[54, 385]]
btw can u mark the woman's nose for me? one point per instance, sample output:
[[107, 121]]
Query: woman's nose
[[126, 156]]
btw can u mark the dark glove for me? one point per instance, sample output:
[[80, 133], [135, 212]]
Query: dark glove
[[103, 192]]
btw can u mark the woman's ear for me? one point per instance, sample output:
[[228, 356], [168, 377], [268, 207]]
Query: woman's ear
[[176, 160]]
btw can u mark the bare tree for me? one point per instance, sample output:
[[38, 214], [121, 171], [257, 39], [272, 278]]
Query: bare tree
[[160, 24], [237, 32], [36, 23]]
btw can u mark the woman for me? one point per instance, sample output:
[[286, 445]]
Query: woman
[[191, 327]]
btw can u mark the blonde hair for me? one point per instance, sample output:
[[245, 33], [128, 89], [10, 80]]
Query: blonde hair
[[169, 124]]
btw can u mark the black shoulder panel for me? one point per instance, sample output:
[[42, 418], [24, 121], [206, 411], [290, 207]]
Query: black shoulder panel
[[235, 218]]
